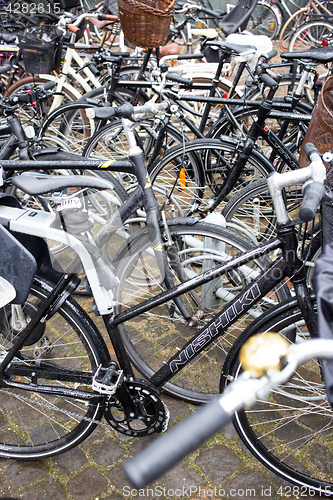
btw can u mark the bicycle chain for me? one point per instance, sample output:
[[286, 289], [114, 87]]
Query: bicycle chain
[[53, 408], [158, 422]]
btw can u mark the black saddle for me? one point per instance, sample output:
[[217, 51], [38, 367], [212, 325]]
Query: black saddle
[[319, 54]]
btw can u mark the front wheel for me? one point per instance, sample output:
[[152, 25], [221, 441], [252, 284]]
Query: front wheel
[[290, 433], [152, 338], [194, 172]]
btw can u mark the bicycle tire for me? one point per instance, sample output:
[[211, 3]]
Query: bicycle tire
[[110, 143], [266, 19], [198, 168], [36, 426], [69, 128], [291, 25], [310, 35], [288, 433], [252, 212], [153, 337]]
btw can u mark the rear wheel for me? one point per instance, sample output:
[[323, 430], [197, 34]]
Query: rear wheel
[[266, 19], [311, 34], [36, 425]]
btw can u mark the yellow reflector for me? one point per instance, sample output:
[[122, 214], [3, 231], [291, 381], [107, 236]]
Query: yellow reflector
[[182, 178], [199, 25], [272, 26]]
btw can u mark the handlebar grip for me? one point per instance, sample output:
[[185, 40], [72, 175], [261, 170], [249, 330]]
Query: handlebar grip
[[182, 439], [101, 113], [189, 56], [108, 17], [309, 150], [105, 113], [5, 68], [72, 28], [269, 55], [313, 194], [269, 81], [178, 79]]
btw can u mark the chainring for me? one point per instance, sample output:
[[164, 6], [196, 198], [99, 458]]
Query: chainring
[[152, 415]]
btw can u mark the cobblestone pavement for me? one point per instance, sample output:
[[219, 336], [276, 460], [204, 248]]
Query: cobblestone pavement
[[222, 469]]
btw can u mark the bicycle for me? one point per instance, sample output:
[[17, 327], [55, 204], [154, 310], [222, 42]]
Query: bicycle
[[201, 234], [265, 427], [132, 281]]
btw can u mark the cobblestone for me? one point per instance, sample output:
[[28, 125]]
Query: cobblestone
[[220, 470], [223, 469]]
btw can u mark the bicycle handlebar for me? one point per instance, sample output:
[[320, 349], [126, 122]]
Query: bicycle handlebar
[[187, 7], [193, 431], [314, 191], [178, 79], [127, 111]]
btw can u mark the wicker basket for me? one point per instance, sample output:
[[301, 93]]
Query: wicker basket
[[320, 129], [145, 23]]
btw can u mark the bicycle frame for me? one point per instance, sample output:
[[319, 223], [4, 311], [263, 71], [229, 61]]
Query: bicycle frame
[[288, 265]]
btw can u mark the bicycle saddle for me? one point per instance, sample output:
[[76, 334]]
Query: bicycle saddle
[[36, 184], [7, 37], [235, 47], [320, 54]]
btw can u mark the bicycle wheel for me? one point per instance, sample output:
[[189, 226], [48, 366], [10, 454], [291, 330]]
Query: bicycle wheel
[[251, 210], [36, 425], [310, 34], [36, 114], [152, 338], [69, 127], [266, 19], [110, 143], [195, 171], [290, 433], [291, 25]]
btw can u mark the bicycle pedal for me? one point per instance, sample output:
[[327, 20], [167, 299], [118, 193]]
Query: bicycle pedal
[[107, 380]]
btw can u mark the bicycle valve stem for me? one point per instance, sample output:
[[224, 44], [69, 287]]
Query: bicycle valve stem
[[264, 352]]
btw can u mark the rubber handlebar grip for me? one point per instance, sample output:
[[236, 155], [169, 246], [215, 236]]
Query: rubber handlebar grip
[[268, 81], [178, 79], [49, 85], [270, 55], [178, 442], [310, 149], [210, 12], [313, 194], [5, 68], [104, 113]]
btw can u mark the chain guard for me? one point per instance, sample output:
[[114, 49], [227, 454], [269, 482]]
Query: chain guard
[[152, 415]]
